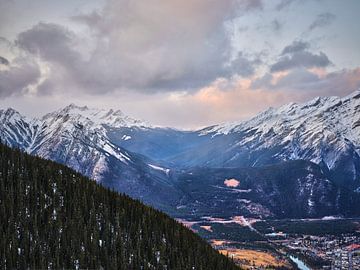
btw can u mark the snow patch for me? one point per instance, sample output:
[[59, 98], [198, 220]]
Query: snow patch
[[99, 168], [166, 171], [123, 158], [126, 137]]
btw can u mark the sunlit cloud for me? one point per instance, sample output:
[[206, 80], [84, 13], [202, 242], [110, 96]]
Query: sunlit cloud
[[175, 63]]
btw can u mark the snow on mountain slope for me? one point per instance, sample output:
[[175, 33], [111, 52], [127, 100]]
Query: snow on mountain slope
[[146, 162], [17, 130], [73, 135], [327, 114], [325, 131], [77, 137], [96, 117]]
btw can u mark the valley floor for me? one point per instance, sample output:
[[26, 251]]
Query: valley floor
[[328, 243], [253, 259]]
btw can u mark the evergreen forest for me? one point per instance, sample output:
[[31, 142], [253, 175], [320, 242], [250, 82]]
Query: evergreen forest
[[54, 218]]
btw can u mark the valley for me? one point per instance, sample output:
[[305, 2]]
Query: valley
[[315, 243]]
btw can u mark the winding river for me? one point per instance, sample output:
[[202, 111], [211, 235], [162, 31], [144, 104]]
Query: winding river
[[300, 264]]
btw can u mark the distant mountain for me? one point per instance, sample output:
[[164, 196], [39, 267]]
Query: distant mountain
[[54, 218], [325, 131], [149, 162]]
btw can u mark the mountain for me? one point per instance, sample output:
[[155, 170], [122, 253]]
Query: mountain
[[77, 137], [52, 217], [318, 141], [325, 131]]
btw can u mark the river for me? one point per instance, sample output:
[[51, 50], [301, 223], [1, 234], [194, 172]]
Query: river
[[300, 264]]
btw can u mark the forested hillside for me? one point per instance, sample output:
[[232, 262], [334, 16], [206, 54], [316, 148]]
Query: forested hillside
[[52, 217]]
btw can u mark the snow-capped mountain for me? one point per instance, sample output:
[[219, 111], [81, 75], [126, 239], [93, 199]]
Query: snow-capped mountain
[[170, 169], [318, 119], [77, 136], [325, 131], [17, 130]]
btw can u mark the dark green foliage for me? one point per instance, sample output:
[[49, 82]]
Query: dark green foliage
[[52, 217], [282, 190], [309, 227]]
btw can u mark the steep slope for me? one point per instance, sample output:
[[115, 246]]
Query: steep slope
[[17, 130], [52, 217], [77, 137]]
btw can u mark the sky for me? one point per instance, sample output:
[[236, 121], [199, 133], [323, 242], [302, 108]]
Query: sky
[[184, 64]]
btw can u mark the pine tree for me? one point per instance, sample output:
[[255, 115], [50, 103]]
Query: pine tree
[[52, 217]]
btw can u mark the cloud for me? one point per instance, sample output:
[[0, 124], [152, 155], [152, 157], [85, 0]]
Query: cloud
[[296, 46], [248, 5], [310, 82], [284, 4], [297, 79], [236, 99], [4, 41], [169, 45], [297, 55], [276, 25], [90, 19], [244, 66], [50, 42], [55, 46], [147, 46], [18, 76], [301, 59], [322, 20], [4, 61]]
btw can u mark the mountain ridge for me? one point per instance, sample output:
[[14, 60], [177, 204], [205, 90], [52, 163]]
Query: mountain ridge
[[146, 162]]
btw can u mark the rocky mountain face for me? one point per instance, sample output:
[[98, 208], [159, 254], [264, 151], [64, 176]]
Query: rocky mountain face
[[77, 137], [308, 151]]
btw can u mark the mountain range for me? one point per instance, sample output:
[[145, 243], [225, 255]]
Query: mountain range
[[295, 161]]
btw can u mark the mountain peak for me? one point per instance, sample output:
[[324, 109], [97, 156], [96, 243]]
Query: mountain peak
[[94, 117], [9, 111], [294, 114], [74, 106], [353, 95], [8, 114]]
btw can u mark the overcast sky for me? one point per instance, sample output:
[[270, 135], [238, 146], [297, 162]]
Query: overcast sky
[[184, 64]]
